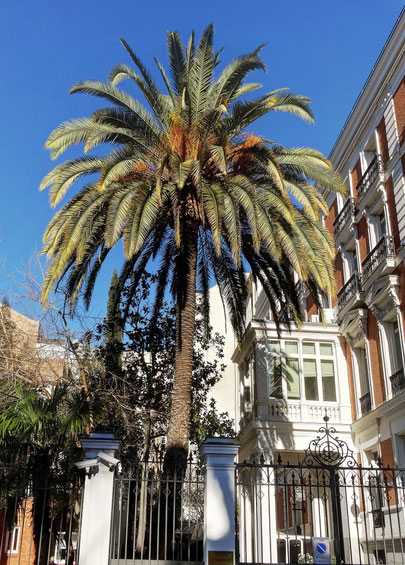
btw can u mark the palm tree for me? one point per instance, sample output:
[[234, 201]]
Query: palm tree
[[187, 181]]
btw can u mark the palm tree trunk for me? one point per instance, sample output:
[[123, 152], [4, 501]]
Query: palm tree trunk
[[179, 423]]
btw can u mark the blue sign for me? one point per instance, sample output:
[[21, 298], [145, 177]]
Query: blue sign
[[321, 550]]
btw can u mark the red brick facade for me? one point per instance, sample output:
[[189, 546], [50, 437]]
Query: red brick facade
[[311, 306], [382, 141], [362, 231], [331, 217], [356, 176], [387, 453], [348, 355], [339, 270], [389, 189], [25, 550], [399, 109], [387, 457]]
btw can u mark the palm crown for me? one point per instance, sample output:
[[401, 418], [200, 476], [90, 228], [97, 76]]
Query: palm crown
[[187, 182]]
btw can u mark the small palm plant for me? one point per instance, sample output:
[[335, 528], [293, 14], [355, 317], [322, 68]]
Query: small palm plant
[[38, 437], [188, 183]]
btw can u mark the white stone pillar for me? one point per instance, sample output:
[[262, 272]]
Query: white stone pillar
[[96, 517], [218, 455]]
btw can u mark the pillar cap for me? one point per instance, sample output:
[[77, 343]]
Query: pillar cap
[[100, 441], [220, 446]]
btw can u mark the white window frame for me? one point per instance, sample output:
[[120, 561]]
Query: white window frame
[[300, 356], [12, 533], [387, 352], [356, 375]]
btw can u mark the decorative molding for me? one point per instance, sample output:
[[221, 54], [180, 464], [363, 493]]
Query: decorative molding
[[382, 297], [354, 231], [354, 327], [381, 191]]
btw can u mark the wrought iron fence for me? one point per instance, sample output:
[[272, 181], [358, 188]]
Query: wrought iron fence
[[384, 249], [282, 506], [39, 521], [158, 514]]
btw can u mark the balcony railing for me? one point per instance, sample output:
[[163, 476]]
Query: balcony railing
[[365, 403], [347, 212], [371, 174], [300, 410], [383, 250], [348, 290], [397, 382]]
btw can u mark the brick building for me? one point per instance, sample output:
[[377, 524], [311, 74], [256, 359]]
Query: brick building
[[26, 356], [351, 369], [369, 231]]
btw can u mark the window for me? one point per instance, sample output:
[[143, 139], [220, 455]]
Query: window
[[293, 378], [326, 349], [308, 348], [328, 381], [382, 225], [377, 229], [310, 378], [301, 370], [13, 538], [292, 370], [275, 370], [354, 262], [291, 347], [350, 264], [379, 556], [246, 374], [362, 372], [396, 346]]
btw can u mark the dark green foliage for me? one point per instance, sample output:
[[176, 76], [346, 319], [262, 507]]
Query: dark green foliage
[[135, 401]]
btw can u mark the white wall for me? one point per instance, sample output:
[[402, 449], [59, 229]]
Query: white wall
[[224, 391]]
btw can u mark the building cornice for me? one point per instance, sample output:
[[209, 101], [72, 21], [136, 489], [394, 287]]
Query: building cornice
[[389, 408]]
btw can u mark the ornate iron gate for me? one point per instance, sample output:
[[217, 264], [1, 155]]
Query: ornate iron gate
[[281, 507], [158, 516]]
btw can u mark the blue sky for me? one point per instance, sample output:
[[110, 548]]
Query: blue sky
[[323, 49]]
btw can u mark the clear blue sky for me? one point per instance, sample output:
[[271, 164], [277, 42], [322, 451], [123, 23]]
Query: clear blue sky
[[323, 49]]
